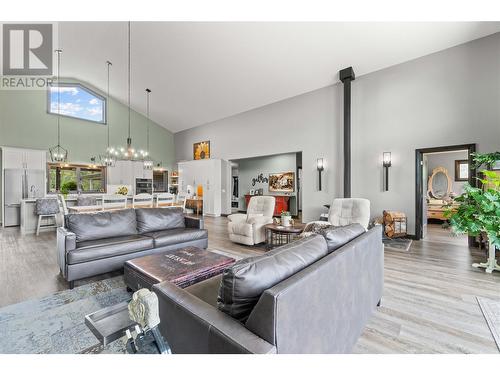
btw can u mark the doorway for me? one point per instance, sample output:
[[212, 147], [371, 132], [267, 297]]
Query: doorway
[[439, 181], [278, 175]]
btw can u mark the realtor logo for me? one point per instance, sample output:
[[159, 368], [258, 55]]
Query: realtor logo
[[27, 49]]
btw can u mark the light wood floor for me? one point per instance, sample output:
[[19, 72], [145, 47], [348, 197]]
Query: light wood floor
[[428, 305]]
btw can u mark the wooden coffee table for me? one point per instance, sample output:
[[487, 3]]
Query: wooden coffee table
[[183, 267], [277, 235]]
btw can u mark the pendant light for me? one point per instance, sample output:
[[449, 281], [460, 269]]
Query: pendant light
[[148, 163], [128, 152], [57, 153], [108, 158]]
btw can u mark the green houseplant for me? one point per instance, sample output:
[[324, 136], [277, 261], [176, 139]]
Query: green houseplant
[[478, 208], [67, 187]]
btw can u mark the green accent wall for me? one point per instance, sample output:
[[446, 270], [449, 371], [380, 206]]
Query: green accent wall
[[24, 122]]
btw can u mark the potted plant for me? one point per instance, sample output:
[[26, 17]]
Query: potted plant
[[122, 190], [478, 209], [67, 187], [286, 218]]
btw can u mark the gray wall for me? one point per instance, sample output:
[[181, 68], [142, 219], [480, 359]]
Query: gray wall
[[309, 123], [249, 169], [447, 160], [450, 97]]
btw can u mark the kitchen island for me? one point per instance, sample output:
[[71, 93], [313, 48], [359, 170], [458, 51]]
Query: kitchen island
[[29, 218]]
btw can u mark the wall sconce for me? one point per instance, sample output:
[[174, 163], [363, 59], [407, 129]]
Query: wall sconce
[[387, 162], [320, 166]]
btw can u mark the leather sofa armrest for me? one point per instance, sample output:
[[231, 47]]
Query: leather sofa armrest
[[66, 241], [237, 218], [191, 325], [193, 222]]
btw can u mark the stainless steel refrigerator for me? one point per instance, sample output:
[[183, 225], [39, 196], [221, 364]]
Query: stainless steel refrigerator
[[20, 184]]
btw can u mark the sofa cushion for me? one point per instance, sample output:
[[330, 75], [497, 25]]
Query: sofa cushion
[[109, 247], [243, 283], [156, 219], [178, 235], [338, 236], [95, 226]]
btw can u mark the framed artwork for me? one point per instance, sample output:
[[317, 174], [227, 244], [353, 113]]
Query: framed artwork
[[282, 182], [201, 150], [461, 170]]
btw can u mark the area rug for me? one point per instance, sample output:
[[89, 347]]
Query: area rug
[[491, 312], [397, 244], [55, 324]]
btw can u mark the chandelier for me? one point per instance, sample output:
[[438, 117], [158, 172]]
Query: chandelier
[[58, 153]]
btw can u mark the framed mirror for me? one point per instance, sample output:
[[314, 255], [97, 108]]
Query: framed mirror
[[439, 185]]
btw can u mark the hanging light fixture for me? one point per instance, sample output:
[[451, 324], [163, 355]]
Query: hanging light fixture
[[108, 158], [128, 152], [148, 163], [57, 153]]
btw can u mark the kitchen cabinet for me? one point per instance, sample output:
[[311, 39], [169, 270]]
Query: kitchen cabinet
[[120, 174], [140, 172], [125, 172], [20, 158], [212, 175]]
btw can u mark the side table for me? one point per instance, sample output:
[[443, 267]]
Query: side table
[[277, 235]]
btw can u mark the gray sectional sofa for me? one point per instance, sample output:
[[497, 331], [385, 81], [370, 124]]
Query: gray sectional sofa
[[314, 295], [91, 244]]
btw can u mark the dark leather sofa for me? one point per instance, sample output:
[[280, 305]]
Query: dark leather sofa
[[92, 244], [314, 295]]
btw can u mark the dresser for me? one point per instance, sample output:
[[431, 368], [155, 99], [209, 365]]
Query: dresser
[[280, 206]]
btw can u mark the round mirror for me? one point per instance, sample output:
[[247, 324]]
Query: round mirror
[[440, 185]]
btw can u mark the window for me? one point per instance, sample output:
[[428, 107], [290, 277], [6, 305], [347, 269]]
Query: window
[[77, 101], [73, 178]]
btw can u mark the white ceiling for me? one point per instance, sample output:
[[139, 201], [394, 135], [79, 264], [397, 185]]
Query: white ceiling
[[201, 72]]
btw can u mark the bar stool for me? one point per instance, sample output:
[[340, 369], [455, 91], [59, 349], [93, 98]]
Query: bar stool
[[46, 208]]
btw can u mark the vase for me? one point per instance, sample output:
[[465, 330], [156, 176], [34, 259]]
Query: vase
[[285, 221]]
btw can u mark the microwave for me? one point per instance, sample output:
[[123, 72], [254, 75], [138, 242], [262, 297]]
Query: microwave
[[143, 185]]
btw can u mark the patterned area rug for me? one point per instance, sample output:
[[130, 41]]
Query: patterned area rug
[[55, 324], [491, 312], [397, 244]]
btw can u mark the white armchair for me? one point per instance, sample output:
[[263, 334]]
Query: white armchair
[[248, 228], [345, 211]]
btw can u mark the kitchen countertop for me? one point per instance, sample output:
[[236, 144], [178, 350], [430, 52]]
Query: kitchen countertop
[[73, 197]]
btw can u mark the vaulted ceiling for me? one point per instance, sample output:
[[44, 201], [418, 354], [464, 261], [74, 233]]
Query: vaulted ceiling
[[202, 72]]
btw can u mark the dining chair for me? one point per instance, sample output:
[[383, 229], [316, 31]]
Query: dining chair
[[62, 204], [114, 202], [181, 202], [83, 200], [142, 200], [165, 200]]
